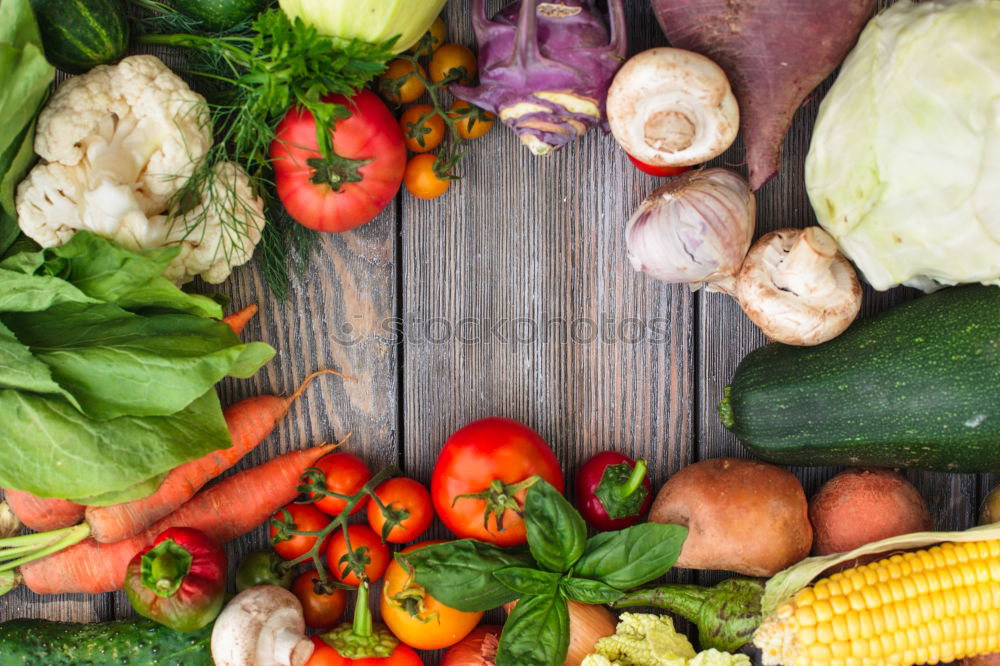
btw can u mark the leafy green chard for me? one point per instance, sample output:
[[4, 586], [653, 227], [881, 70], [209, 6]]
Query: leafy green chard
[[25, 76], [108, 370], [252, 74], [560, 564]]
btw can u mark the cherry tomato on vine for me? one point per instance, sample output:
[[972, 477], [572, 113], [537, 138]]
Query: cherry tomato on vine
[[453, 56], [324, 655], [369, 552], [653, 170], [421, 136], [421, 180], [305, 518], [471, 126], [438, 33], [321, 609], [417, 618], [360, 179], [404, 91], [344, 474], [401, 495], [481, 470]]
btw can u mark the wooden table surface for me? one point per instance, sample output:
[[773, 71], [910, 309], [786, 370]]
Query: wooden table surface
[[512, 295]]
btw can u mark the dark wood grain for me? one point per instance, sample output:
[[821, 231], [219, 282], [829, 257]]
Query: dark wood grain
[[512, 295]]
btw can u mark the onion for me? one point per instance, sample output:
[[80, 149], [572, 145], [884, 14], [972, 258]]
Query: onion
[[695, 229], [479, 648], [587, 624]]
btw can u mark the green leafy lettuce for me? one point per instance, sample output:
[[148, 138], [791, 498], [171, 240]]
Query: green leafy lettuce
[[25, 76], [107, 371]]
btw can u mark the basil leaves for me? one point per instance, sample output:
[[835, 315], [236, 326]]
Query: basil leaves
[[559, 564]]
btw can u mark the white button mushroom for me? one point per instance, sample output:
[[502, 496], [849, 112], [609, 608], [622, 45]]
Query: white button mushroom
[[261, 626], [798, 288], [671, 107]]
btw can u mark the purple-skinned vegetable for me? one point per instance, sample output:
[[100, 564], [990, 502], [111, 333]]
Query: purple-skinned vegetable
[[545, 67]]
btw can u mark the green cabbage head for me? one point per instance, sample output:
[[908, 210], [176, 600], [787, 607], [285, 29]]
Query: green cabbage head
[[904, 165], [368, 20]]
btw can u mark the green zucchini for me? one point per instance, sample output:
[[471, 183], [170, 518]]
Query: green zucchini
[[81, 34], [917, 386], [134, 641]]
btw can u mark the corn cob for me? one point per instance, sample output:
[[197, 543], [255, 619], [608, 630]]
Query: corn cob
[[936, 605]]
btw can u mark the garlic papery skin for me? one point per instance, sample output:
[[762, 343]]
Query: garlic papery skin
[[671, 107], [695, 229]]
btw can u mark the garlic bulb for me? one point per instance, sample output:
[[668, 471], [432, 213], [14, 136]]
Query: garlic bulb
[[695, 229]]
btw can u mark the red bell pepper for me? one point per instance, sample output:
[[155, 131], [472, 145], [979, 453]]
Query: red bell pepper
[[612, 492], [179, 581]]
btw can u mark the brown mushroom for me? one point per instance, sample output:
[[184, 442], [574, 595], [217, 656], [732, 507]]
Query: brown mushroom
[[671, 107], [742, 515], [798, 288]]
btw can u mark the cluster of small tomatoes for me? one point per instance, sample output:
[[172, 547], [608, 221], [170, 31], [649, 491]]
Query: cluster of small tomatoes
[[400, 509], [425, 126]]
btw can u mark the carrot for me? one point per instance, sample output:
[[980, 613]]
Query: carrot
[[238, 320], [229, 509], [249, 422], [42, 514]]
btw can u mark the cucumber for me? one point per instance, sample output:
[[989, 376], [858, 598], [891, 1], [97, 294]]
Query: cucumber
[[917, 386], [135, 641], [221, 15], [80, 34]]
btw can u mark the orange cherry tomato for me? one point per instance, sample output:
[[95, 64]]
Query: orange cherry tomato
[[399, 84], [320, 609], [420, 179], [453, 56], [344, 474], [472, 124], [422, 622], [306, 518], [421, 136], [401, 496], [437, 33], [369, 552]]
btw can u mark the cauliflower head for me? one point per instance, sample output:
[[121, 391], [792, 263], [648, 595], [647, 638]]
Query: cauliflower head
[[134, 123], [116, 145], [645, 639]]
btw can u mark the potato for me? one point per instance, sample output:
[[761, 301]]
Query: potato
[[989, 512], [744, 516], [992, 659], [859, 506]]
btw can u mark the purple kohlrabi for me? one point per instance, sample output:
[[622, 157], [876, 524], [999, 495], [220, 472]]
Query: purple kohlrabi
[[545, 67]]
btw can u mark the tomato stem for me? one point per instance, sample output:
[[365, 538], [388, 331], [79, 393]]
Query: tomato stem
[[336, 171], [635, 479]]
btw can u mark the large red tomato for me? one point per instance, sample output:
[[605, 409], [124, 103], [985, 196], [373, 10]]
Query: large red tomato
[[358, 183], [488, 459]]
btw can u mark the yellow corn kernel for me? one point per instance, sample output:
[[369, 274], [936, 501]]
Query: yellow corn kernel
[[937, 605]]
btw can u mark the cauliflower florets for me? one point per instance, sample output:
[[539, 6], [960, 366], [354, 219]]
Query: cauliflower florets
[[644, 639], [117, 143]]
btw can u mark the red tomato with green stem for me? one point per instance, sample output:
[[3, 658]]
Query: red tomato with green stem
[[324, 655], [367, 551], [322, 605], [408, 503], [482, 475], [343, 474], [357, 182], [301, 518]]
